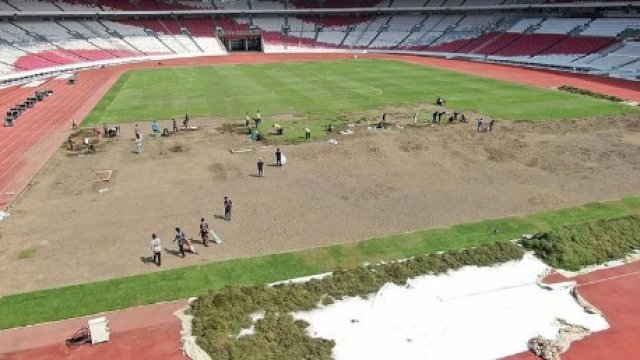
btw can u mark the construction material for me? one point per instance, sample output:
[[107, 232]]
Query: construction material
[[99, 330], [103, 175], [496, 310], [580, 246], [548, 349], [215, 238], [80, 337], [189, 346], [242, 150]]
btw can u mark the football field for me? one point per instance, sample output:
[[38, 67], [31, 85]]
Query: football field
[[320, 91]]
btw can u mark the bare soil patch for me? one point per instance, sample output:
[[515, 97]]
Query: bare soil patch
[[372, 183]]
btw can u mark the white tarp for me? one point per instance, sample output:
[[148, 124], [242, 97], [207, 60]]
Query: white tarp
[[214, 237], [472, 313]]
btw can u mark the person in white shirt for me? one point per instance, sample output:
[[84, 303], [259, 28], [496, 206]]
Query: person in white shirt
[[157, 249], [139, 146]]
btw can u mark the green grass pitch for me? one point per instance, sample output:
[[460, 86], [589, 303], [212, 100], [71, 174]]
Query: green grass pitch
[[323, 90]]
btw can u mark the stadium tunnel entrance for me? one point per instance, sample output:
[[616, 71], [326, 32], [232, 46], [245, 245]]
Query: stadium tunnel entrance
[[241, 41]]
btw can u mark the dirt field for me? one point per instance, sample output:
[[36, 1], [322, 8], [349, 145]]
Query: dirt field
[[371, 183]]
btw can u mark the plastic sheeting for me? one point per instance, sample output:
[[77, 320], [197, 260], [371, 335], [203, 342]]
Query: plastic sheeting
[[471, 313]]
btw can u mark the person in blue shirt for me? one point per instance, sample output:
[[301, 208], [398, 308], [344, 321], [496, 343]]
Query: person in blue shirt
[[155, 127]]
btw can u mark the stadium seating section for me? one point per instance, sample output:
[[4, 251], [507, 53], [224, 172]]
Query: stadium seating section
[[590, 44]]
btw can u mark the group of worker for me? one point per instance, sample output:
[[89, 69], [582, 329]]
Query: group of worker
[[281, 160], [277, 128], [186, 244]]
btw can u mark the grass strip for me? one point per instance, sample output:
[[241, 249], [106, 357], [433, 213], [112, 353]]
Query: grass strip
[[220, 315], [73, 301], [574, 247]]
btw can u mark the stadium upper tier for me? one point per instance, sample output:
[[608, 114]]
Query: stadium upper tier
[[169, 5], [54, 5], [586, 43]]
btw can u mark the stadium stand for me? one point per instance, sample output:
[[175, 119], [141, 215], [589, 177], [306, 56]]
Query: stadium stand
[[625, 57], [560, 25], [530, 44], [267, 5], [33, 5], [337, 3], [609, 27], [587, 42]]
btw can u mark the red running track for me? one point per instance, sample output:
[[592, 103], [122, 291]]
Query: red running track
[[616, 292], [626, 89], [39, 132], [149, 332]]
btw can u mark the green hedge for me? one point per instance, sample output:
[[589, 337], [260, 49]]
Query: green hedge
[[597, 95], [220, 315], [573, 247]]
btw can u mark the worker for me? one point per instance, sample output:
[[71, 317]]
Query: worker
[[204, 232], [260, 168], [156, 247], [155, 128]]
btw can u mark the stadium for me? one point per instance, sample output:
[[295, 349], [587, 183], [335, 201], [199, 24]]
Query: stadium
[[319, 179]]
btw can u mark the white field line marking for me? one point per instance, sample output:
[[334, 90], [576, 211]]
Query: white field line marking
[[114, 99], [609, 278]]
